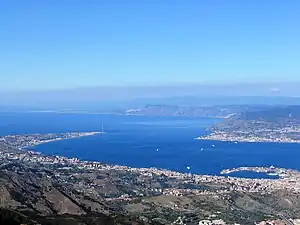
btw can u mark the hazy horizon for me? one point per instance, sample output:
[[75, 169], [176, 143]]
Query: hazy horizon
[[86, 98], [174, 89]]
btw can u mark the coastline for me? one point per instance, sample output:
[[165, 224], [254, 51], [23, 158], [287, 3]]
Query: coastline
[[271, 171], [283, 173], [61, 137], [30, 141], [241, 184], [286, 176], [74, 135], [213, 137], [155, 170]]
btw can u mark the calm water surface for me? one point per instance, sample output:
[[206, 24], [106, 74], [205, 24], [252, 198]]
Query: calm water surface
[[141, 141]]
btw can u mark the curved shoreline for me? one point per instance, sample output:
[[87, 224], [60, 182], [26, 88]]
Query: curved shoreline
[[271, 171], [57, 137], [60, 163]]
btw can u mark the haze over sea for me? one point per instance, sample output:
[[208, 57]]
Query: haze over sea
[[143, 141]]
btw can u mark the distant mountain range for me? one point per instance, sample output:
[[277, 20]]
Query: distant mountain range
[[278, 116], [272, 124], [224, 111], [274, 113], [120, 106]]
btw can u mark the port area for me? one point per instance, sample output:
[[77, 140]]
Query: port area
[[258, 172]]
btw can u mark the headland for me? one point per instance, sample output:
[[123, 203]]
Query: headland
[[276, 124]]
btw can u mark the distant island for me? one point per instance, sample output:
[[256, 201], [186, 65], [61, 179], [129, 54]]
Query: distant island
[[274, 124]]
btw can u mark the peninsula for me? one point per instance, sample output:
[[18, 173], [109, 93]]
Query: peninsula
[[276, 124], [31, 140]]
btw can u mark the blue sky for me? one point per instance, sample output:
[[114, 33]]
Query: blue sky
[[62, 44]]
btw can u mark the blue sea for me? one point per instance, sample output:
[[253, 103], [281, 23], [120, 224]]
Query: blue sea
[[144, 141]]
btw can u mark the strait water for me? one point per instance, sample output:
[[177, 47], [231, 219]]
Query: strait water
[[143, 141]]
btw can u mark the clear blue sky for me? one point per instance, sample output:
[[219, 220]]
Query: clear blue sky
[[70, 43]]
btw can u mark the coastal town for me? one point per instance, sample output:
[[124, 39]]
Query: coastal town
[[279, 124], [282, 135], [92, 179], [31, 140]]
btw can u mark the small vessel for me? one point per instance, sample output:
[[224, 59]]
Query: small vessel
[[157, 149], [188, 167], [202, 149], [235, 142], [213, 146]]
